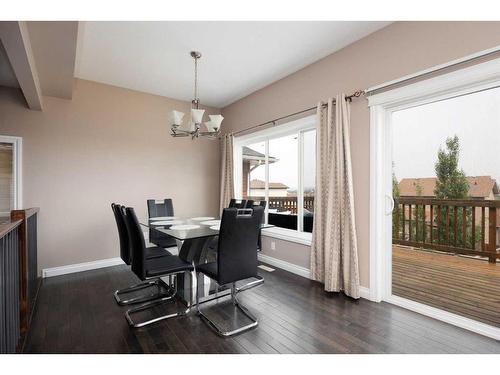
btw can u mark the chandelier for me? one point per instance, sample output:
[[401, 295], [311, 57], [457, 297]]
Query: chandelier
[[194, 129]]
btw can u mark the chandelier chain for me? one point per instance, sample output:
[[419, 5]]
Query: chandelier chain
[[196, 78]]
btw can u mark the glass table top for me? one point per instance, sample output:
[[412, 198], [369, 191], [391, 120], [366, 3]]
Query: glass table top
[[188, 228]]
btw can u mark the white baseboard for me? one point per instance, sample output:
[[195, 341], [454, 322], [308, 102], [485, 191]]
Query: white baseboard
[[447, 317], [79, 267], [301, 271], [284, 265], [364, 292]]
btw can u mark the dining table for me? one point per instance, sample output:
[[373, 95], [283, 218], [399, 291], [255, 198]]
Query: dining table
[[197, 238]]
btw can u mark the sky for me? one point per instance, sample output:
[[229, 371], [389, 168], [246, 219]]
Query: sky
[[285, 170], [419, 132]]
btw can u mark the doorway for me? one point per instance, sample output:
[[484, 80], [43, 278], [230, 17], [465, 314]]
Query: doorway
[[10, 175], [435, 198]]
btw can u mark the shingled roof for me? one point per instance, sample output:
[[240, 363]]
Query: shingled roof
[[252, 155], [259, 184], [479, 186]]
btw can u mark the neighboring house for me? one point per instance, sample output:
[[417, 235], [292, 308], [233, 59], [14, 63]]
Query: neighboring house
[[480, 187], [276, 189], [251, 160]]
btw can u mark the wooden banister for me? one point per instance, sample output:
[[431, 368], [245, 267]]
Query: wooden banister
[[8, 226], [25, 264]]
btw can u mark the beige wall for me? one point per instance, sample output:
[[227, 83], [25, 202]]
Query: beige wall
[[399, 49], [292, 252], [105, 145]]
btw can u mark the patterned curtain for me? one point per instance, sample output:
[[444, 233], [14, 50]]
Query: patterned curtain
[[334, 251], [226, 182]]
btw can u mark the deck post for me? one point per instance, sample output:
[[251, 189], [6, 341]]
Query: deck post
[[493, 234]]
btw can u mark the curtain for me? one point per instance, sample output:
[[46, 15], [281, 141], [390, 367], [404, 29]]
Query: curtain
[[334, 251], [226, 182]]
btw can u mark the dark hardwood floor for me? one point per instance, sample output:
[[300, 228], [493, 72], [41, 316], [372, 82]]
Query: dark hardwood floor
[[77, 314]]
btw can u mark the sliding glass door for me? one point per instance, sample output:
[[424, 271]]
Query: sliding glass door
[[445, 250]]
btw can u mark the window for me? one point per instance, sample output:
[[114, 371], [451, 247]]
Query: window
[[278, 165]]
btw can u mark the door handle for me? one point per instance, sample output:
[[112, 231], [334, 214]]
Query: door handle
[[391, 200]]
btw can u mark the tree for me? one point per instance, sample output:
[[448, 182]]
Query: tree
[[451, 181], [396, 213], [451, 184]]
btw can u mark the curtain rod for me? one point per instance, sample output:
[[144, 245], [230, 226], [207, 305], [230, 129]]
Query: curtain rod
[[349, 98]]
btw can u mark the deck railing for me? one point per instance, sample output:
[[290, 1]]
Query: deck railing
[[288, 203], [456, 226]]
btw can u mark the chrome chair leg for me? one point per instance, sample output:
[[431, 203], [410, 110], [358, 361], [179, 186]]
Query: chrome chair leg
[[251, 284], [156, 302], [238, 305], [145, 298]]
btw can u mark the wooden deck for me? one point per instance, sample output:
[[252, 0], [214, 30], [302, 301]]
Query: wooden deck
[[464, 286]]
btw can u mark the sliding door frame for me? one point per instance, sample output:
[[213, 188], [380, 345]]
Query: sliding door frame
[[465, 81]]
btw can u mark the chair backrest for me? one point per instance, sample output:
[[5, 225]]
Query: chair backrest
[[165, 208], [263, 204], [237, 250], [137, 242], [253, 203], [234, 203], [122, 232], [248, 204]]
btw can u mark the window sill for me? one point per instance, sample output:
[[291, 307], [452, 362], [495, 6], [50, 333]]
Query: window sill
[[290, 235]]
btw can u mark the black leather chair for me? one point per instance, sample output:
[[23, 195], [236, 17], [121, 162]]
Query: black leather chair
[[236, 260], [159, 209], [248, 204], [234, 203], [125, 254], [153, 269], [262, 204]]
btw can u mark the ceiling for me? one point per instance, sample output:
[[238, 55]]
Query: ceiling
[[7, 76], [52, 45], [55, 69], [238, 57]]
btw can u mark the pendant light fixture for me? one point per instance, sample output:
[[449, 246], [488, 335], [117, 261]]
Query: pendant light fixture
[[196, 116]]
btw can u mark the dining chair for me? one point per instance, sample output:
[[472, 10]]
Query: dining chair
[[152, 270], [263, 204], [125, 254], [248, 204], [234, 203], [157, 208], [236, 260], [160, 208]]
